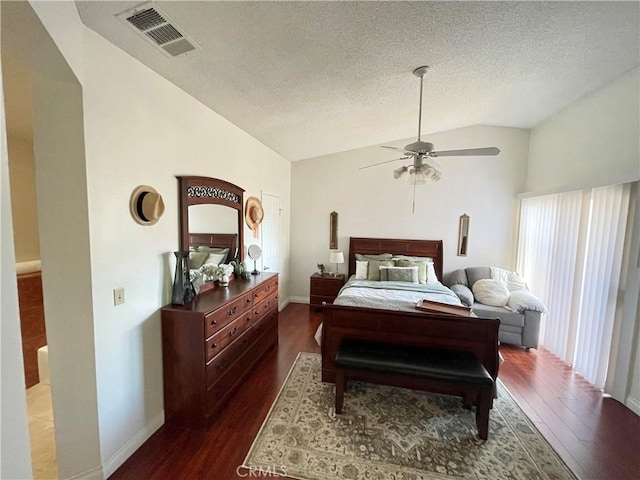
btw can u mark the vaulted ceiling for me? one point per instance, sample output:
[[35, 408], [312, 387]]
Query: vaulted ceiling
[[314, 78]]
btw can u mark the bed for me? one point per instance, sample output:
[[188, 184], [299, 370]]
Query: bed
[[399, 322]]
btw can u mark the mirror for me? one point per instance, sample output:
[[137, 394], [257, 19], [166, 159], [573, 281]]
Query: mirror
[[333, 231], [211, 215], [463, 235]]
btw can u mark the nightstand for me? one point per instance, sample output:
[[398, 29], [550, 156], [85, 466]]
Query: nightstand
[[324, 288]]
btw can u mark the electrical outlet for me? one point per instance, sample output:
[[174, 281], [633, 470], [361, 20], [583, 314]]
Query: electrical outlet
[[118, 296]]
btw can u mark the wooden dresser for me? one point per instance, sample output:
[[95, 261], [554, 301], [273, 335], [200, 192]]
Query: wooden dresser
[[211, 345], [32, 326]]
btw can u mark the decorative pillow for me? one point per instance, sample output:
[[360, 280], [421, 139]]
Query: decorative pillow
[[399, 274], [431, 273], [196, 259], [215, 258], [513, 279], [491, 292], [361, 270], [413, 259], [463, 293], [422, 268], [373, 272], [380, 256], [522, 300]]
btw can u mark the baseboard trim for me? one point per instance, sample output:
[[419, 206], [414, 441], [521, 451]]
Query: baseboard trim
[[118, 458], [283, 304], [633, 404], [299, 299], [93, 474]]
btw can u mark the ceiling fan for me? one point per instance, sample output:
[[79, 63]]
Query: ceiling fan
[[424, 166]]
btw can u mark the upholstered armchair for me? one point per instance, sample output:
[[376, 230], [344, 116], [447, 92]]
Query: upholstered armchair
[[508, 299]]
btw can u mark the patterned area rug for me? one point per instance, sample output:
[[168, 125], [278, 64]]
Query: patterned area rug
[[394, 433]]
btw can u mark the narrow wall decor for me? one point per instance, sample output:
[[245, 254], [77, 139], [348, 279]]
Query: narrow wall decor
[[463, 235], [333, 231]]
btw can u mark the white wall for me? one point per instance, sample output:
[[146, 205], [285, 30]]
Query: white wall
[[370, 203], [592, 142], [595, 142], [15, 456], [23, 198], [138, 129]]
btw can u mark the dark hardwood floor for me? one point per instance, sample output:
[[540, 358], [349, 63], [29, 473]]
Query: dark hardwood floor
[[597, 437]]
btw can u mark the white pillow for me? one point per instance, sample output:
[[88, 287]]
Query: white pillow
[[431, 273], [513, 279], [491, 292], [215, 258], [361, 270]]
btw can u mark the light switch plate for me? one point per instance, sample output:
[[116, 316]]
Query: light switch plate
[[118, 296]]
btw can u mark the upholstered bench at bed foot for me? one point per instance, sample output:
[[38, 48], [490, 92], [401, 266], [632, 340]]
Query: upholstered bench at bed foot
[[454, 372]]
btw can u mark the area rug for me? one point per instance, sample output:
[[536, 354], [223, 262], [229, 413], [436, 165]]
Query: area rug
[[393, 433]]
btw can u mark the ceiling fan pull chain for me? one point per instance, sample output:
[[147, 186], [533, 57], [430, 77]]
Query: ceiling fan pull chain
[[420, 110]]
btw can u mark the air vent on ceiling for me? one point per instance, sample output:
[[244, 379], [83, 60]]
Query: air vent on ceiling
[[158, 29]]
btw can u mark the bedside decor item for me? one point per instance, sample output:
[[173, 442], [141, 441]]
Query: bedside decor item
[[183, 292], [463, 235], [254, 213], [223, 272], [254, 253], [321, 268], [146, 205], [336, 257], [333, 231]]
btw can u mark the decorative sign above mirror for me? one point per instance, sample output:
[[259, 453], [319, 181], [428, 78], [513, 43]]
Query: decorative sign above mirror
[[211, 215]]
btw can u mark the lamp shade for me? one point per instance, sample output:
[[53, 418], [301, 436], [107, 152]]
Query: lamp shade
[[336, 257]]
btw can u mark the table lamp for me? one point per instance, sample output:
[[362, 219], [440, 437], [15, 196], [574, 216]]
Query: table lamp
[[336, 257]]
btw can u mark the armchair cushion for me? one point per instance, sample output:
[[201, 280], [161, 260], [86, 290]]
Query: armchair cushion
[[477, 273], [523, 300], [464, 294]]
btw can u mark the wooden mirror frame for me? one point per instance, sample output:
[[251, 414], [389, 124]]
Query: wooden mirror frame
[[206, 190], [463, 236]]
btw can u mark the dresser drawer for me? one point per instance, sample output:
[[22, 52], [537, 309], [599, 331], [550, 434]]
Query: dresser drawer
[[223, 337], [265, 290], [226, 314], [324, 288], [263, 307]]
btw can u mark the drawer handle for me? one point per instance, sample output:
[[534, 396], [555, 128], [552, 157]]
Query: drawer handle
[[248, 318], [232, 311], [248, 301], [214, 345], [214, 322], [233, 332], [257, 312]]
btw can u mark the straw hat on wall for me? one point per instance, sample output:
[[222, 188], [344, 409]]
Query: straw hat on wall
[[253, 214], [146, 205]]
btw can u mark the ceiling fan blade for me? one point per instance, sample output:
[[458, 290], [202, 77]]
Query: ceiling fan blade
[[382, 163], [408, 152], [466, 152]]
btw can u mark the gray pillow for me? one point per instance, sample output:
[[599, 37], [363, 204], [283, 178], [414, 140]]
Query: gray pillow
[[457, 277], [399, 274], [379, 256], [373, 271], [477, 273], [422, 268], [464, 294]]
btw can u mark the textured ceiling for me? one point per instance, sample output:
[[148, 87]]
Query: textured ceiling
[[314, 78]]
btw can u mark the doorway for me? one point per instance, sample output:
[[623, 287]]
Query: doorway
[[271, 233]]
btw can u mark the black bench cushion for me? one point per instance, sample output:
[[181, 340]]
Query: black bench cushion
[[436, 364]]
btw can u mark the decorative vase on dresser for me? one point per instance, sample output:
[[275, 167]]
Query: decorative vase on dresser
[[210, 345]]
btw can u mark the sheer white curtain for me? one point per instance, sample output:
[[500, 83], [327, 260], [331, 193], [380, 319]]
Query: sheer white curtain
[[569, 250]]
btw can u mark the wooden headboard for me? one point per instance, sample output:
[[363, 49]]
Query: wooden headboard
[[217, 240], [414, 248]]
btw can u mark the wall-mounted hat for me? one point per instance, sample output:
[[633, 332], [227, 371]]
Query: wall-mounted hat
[[253, 214], [146, 205]]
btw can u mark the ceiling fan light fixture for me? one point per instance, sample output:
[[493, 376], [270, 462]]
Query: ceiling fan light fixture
[[398, 172]]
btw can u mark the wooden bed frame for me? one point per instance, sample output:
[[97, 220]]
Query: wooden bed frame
[[476, 335]]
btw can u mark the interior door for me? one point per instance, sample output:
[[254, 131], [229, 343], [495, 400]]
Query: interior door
[[271, 233]]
